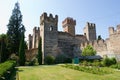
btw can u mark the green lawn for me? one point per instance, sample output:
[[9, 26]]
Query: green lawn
[[61, 73]]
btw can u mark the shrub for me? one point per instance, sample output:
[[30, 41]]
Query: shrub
[[93, 70], [97, 63], [109, 61], [6, 69], [116, 66], [33, 62], [113, 61], [49, 59]]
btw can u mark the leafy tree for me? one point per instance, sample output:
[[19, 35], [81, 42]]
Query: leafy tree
[[15, 29], [3, 48], [88, 51], [99, 37], [40, 52], [22, 52]]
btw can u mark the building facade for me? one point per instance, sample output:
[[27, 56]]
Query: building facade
[[68, 43]]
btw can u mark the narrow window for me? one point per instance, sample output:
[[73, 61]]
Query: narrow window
[[51, 28]]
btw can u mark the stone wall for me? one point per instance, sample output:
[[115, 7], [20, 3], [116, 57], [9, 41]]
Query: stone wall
[[99, 45], [66, 43], [31, 53], [48, 33], [114, 39]]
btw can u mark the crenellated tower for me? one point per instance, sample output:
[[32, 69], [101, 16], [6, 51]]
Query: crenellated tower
[[69, 25], [48, 33], [90, 31], [30, 39], [36, 37]]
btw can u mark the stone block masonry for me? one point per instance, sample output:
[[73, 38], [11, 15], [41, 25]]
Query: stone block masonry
[[67, 42]]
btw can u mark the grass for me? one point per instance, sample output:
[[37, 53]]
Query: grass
[[61, 73]]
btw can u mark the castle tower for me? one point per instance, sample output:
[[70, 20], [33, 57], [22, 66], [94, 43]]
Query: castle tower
[[90, 31], [30, 37], [69, 25], [48, 33], [118, 28], [36, 37], [111, 30]]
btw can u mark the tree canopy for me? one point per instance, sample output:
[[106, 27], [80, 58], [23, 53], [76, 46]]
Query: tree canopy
[[3, 48], [15, 29], [99, 37], [88, 51]]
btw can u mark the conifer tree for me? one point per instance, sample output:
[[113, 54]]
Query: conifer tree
[[40, 52], [15, 29], [3, 48], [22, 57]]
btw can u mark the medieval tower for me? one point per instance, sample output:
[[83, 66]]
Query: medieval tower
[[69, 26], [90, 31], [67, 43], [48, 33]]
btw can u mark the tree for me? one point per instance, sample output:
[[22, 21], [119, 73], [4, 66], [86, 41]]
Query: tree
[[15, 29], [88, 51], [40, 52], [99, 37], [3, 48], [22, 52]]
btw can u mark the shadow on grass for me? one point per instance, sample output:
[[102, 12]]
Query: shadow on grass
[[14, 74]]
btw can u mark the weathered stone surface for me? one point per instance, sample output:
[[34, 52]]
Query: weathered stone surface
[[68, 43]]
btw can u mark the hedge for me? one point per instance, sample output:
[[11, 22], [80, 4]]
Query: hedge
[[93, 70], [6, 69]]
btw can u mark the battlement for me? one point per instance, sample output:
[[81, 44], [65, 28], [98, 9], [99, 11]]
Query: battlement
[[93, 43], [90, 25], [50, 18], [36, 29], [69, 21], [113, 31], [29, 36]]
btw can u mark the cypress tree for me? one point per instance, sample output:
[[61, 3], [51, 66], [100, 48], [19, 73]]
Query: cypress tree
[[40, 52], [3, 48], [22, 52]]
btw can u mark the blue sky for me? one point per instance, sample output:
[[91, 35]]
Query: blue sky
[[104, 13]]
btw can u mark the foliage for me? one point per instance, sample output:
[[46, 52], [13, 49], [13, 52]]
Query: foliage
[[40, 53], [95, 63], [22, 52], [99, 37], [116, 66], [49, 59], [93, 70], [88, 51], [6, 69], [109, 61], [3, 48], [15, 29], [33, 62]]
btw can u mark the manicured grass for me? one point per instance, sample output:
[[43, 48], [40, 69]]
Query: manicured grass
[[61, 73]]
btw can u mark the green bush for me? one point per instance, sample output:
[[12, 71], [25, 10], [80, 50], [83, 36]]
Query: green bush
[[93, 70], [116, 66], [109, 61], [113, 61], [49, 59], [6, 69], [97, 63], [33, 62]]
